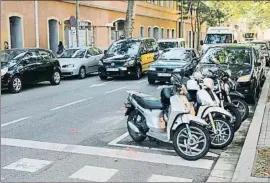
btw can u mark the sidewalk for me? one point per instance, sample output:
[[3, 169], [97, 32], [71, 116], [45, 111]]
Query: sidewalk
[[254, 161]]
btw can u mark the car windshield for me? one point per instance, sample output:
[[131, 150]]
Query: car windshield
[[68, 53], [263, 46], [227, 55], [249, 35], [218, 38], [175, 54], [166, 45], [125, 47], [11, 57], [79, 53]]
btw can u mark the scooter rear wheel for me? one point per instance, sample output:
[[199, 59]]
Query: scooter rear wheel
[[137, 137], [198, 146], [236, 123]]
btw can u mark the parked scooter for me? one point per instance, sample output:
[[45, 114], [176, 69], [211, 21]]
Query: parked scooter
[[206, 105], [222, 90], [237, 99], [169, 120]]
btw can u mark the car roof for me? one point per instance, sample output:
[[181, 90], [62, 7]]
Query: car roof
[[80, 47], [258, 41], [181, 48], [232, 45], [171, 40], [27, 49]]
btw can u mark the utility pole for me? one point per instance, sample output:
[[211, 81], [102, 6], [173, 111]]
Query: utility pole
[[77, 22], [182, 23], [36, 23]]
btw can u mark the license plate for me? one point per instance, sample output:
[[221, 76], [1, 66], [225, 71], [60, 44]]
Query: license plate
[[112, 69], [164, 74]]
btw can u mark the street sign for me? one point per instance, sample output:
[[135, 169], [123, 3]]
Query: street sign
[[72, 21]]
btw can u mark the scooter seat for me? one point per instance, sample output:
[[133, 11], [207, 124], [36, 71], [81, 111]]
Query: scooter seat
[[148, 102]]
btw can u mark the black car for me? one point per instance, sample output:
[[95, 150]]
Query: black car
[[264, 47], [28, 65], [243, 62], [173, 60], [128, 57]]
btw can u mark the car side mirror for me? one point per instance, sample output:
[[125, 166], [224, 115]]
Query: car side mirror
[[201, 42], [105, 51]]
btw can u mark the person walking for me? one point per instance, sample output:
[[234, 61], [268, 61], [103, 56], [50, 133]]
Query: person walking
[[6, 46], [60, 48]]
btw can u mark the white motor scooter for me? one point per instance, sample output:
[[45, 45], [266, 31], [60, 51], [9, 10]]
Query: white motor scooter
[[169, 120], [207, 107]]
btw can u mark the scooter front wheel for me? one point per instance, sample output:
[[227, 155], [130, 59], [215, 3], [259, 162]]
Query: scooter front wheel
[[191, 147], [224, 133]]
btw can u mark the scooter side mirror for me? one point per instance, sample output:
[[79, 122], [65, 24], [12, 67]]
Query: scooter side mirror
[[182, 73]]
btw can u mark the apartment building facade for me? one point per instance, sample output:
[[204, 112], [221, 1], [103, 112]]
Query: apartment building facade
[[45, 23]]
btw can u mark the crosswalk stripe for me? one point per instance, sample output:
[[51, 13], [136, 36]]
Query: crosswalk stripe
[[94, 174], [106, 152], [163, 178]]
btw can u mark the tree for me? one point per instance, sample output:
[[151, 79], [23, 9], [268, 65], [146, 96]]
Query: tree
[[130, 15]]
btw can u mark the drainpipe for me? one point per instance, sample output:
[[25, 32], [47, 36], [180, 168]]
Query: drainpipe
[[36, 23]]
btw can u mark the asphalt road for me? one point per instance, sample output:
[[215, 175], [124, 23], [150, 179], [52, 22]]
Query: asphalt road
[[76, 131]]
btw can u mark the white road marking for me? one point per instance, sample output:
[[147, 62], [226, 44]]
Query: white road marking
[[118, 139], [28, 165], [69, 104], [141, 81], [15, 121], [94, 174], [100, 84], [163, 178], [163, 86], [107, 152], [115, 90]]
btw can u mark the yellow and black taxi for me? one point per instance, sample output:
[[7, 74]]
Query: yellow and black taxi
[[128, 57]]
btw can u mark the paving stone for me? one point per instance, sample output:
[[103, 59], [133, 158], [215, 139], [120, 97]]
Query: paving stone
[[222, 173], [218, 179]]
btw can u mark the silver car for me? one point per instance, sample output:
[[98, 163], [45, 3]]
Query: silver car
[[80, 61]]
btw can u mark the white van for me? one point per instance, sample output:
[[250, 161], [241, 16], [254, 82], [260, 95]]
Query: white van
[[171, 43], [217, 35]]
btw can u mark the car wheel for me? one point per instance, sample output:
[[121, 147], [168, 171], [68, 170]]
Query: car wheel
[[151, 81], [15, 85], [82, 73], [56, 77], [138, 72], [102, 77]]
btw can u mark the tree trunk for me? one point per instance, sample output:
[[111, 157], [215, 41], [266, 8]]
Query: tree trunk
[[198, 30], [130, 15], [192, 26]]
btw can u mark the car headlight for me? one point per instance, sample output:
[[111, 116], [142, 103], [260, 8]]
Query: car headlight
[[129, 63], [245, 78], [100, 63], [152, 69], [177, 70], [70, 65], [4, 71]]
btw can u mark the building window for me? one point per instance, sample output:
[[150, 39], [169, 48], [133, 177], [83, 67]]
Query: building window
[[142, 31], [162, 33], [168, 33], [167, 4], [161, 3], [149, 32], [172, 33], [156, 33], [171, 4]]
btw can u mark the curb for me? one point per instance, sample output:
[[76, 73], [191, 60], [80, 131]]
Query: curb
[[244, 166]]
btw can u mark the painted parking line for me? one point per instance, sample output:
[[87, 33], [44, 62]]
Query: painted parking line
[[69, 104], [108, 152], [111, 91], [116, 141], [15, 121], [141, 81], [100, 84]]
